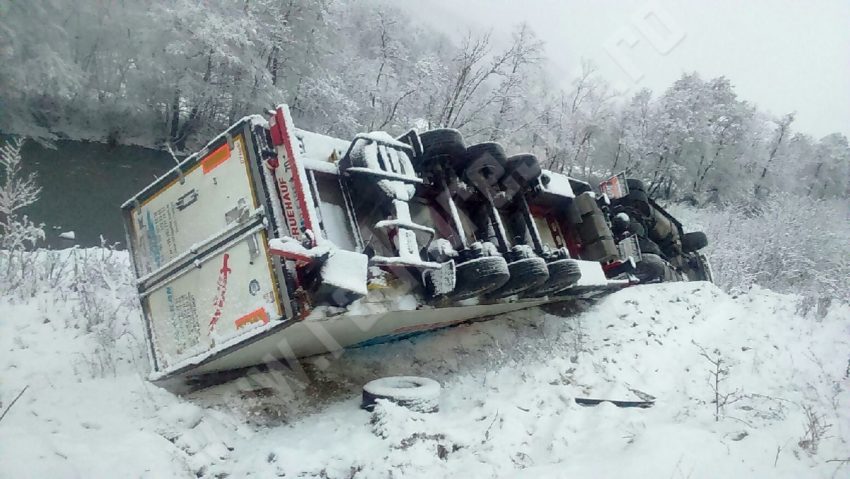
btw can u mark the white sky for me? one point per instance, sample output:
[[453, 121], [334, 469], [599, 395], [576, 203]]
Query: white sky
[[782, 55]]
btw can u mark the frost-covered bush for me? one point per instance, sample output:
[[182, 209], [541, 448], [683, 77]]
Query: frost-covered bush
[[790, 244], [17, 191], [89, 292]]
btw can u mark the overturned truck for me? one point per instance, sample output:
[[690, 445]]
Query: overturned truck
[[274, 242]]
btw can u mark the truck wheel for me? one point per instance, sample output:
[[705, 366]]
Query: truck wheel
[[653, 269], [526, 274], [442, 145], [415, 393], [635, 185], [562, 274], [700, 268], [483, 155], [522, 169], [477, 276], [705, 268], [694, 241], [637, 196]]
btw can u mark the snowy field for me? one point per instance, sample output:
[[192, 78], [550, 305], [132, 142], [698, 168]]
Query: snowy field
[[780, 406]]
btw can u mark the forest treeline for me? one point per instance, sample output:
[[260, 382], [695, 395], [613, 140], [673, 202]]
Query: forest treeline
[[176, 73]]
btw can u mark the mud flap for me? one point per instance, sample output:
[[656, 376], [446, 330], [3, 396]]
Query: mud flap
[[440, 282], [343, 278]]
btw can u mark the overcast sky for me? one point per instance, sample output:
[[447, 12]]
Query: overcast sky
[[782, 55]]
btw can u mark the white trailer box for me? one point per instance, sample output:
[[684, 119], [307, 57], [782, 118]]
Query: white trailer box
[[215, 296]]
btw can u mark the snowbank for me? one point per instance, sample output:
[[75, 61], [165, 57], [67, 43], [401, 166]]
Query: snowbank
[[507, 406]]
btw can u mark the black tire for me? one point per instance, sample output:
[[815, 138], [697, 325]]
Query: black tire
[[482, 157], [699, 269], [477, 276], [638, 201], [442, 146], [705, 272], [635, 185], [648, 246], [562, 274], [522, 170], [637, 196], [526, 274], [653, 269], [694, 241], [415, 393]]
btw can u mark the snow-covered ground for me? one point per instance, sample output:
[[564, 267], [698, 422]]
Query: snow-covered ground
[[507, 407]]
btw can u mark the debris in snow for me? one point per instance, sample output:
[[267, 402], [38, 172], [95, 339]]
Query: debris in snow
[[415, 393], [68, 235], [507, 402]]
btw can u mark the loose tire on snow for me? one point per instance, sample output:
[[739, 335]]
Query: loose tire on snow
[[694, 241], [478, 276], [415, 393], [525, 274], [562, 274]]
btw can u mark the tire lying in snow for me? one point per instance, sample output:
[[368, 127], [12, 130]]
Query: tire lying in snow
[[415, 393]]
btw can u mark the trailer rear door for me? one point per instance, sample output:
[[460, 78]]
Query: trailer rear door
[[198, 239]]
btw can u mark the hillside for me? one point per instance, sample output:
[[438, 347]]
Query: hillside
[[508, 387]]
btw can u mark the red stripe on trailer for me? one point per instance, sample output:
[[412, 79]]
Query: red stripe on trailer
[[221, 286], [275, 128], [280, 129]]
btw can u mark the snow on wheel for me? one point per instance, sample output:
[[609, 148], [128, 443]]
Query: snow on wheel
[[527, 273], [478, 276], [439, 146], [415, 393], [562, 274]]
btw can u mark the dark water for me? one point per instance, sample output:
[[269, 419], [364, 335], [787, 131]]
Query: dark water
[[83, 187]]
